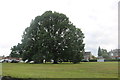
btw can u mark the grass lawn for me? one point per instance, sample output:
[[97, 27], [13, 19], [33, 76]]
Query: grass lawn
[[65, 70], [0, 68]]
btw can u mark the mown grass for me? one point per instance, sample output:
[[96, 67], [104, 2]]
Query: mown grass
[[65, 70], [0, 69]]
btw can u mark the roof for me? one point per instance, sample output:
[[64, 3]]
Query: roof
[[100, 57], [87, 53]]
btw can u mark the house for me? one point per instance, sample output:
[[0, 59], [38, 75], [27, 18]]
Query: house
[[87, 55], [10, 58], [115, 54], [1, 57]]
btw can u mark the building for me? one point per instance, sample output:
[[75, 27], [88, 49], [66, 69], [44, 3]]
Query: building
[[87, 56], [1, 57], [10, 58], [115, 54]]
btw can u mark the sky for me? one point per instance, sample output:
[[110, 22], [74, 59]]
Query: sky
[[98, 20]]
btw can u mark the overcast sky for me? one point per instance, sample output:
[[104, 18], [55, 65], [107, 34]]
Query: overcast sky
[[98, 19]]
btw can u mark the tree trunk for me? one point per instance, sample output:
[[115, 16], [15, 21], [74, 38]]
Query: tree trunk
[[55, 62], [41, 61], [55, 57]]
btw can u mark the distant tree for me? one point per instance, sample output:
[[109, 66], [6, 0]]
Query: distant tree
[[52, 36], [16, 51], [93, 57], [99, 51], [105, 54]]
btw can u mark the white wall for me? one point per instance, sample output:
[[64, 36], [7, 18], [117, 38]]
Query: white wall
[[100, 60]]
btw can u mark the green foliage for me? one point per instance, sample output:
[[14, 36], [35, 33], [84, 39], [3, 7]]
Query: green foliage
[[16, 51], [109, 60], [93, 60], [99, 51], [93, 57], [38, 58], [103, 53], [52, 36]]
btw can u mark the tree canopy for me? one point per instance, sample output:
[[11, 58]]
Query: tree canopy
[[51, 36], [99, 51], [103, 53]]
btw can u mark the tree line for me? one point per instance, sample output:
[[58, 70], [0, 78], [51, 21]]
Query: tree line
[[104, 53]]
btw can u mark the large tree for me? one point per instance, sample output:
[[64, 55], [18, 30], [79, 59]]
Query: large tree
[[52, 36]]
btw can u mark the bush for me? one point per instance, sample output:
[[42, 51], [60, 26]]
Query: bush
[[112, 60], [93, 60]]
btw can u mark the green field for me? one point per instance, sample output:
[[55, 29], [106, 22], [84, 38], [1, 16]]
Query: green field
[[0, 68], [65, 70]]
